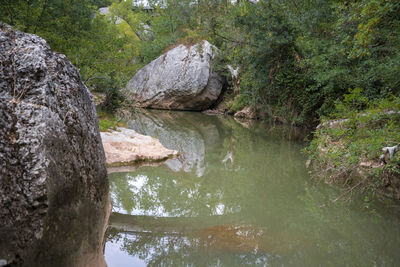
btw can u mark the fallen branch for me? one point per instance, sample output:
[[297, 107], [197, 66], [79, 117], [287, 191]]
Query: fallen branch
[[348, 191]]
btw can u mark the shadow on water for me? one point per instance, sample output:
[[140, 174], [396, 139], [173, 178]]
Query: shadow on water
[[238, 195]]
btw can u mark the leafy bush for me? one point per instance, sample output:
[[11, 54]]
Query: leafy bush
[[239, 102], [108, 122], [341, 147]]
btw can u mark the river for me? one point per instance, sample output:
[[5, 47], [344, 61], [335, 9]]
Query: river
[[239, 195]]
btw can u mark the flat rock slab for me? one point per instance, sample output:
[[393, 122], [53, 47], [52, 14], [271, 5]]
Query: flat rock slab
[[125, 147]]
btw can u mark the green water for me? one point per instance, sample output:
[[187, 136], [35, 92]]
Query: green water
[[239, 195]]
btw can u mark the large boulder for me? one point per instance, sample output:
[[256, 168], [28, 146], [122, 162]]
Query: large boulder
[[53, 179], [181, 79]]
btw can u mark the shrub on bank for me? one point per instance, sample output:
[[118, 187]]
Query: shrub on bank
[[109, 122], [347, 148]]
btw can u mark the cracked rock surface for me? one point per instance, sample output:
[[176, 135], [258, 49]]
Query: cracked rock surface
[[53, 179]]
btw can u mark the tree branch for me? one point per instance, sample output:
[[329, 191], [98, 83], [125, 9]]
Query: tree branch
[[41, 16], [10, 12], [235, 41], [348, 191]]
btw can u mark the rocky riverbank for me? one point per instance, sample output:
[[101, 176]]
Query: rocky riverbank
[[359, 152]]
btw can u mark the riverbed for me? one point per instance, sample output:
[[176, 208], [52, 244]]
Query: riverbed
[[238, 195]]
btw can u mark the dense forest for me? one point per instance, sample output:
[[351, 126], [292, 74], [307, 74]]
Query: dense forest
[[297, 58]]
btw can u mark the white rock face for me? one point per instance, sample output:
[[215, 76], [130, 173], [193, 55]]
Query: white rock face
[[125, 147], [106, 12], [181, 79]]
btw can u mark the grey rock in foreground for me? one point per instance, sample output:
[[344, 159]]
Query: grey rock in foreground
[[53, 179], [181, 79]]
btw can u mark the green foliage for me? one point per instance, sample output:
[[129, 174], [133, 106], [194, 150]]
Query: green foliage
[[352, 103], [61, 23], [105, 60], [297, 58], [335, 60], [108, 122], [344, 145], [239, 103], [106, 125]]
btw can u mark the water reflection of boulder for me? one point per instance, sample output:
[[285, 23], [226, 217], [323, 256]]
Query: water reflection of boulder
[[182, 131]]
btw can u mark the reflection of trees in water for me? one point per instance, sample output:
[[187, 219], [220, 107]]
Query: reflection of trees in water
[[258, 178], [181, 250], [335, 236], [169, 194], [257, 165]]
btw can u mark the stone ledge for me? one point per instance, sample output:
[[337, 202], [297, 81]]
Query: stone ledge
[[125, 147]]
